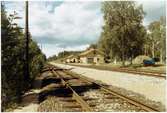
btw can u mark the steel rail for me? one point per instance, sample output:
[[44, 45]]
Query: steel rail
[[53, 68], [144, 70], [130, 100], [141, 73], [85, 106]]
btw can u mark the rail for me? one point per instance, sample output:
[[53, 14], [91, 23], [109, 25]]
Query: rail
[[130, 100], [82, 103]]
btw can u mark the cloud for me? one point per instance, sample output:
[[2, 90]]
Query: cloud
[[154, 10], [58, 25], [71, 25]]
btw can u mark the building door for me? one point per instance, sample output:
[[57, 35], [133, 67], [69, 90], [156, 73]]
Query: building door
[[90, 60], [98, 59]]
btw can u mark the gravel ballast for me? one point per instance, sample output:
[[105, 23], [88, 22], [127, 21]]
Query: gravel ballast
[[151, 88], [104, 104]]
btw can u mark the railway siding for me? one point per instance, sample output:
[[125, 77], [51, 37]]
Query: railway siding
[[118, 101], [150, 87]]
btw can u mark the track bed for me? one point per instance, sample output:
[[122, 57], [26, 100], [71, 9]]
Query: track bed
[[63, 90]]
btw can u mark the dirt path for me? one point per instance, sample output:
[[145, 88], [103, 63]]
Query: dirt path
[[29, 102]]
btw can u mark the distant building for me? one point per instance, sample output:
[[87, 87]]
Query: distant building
[[72, 59], [91, 56]]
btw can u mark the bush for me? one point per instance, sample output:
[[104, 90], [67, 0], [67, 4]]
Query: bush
[[139, 59], [13, 60]]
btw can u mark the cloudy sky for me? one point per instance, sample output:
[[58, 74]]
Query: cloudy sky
[[73, 25]]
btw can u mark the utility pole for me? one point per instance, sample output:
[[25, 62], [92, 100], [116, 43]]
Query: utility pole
[[27, 42]]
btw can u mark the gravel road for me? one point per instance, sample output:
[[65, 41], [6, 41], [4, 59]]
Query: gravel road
[[150, 87]]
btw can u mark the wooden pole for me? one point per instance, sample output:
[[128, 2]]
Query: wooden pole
[[27, 41]]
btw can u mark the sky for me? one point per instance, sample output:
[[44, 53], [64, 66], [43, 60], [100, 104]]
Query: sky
[[71, 25]]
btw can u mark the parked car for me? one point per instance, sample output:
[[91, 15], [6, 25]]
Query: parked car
[[150, 62]]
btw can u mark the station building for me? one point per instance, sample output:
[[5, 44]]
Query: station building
[[72, 59], [91, 56]]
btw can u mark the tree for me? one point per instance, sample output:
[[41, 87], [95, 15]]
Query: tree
[[12, 57], [64, 54], [157, 38], [154, 29], [94, 46], [163, 38], [51, 58], [123, 28], [104, 43]]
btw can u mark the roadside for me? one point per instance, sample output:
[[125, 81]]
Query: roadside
[[150, 87]]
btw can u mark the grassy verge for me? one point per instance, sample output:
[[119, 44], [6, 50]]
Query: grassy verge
[[110, 67]]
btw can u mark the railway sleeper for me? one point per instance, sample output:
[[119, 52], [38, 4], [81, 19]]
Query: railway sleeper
[[71, 105]]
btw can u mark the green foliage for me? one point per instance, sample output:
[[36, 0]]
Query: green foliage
[[123, 33], [54, 57], [13, 59], [36, 59], [94, 46], [157, 38], [62, 54], [67, 53]]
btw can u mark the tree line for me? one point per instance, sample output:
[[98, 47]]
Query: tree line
[[63, 54], [13, 59], [123, 35]]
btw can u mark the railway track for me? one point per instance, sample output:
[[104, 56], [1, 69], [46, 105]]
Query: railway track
[[84, 94], [127, 70], [141, 72]]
